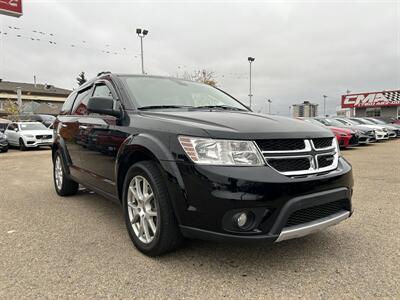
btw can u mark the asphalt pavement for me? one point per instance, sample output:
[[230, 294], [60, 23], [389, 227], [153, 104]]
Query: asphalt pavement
[[78, 247]]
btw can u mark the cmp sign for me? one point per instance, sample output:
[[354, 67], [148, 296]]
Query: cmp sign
[[11, 7], [374, 99]]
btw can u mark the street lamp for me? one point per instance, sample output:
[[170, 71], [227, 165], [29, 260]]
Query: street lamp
[[269, 106], [141, 34], [325, 96], [250, 59]]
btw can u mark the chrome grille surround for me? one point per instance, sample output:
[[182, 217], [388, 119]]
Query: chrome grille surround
[[310, 152]]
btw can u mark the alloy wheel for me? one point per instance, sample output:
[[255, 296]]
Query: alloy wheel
[[142, 209], [58, 173]]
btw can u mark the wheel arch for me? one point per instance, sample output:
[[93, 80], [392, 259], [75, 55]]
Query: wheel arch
[[140, 148]]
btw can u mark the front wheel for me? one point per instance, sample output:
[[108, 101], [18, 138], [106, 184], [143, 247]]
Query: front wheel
[[63, 185], [22, 146], [149, 216]]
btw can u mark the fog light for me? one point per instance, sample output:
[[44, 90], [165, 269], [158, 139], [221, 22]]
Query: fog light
[[242, 220]]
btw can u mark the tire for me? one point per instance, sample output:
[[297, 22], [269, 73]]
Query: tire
[[167, 236], [5, 149], [22, 146], [64, 186]]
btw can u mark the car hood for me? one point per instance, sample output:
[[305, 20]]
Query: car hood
[[340, 130], [237, 124], [37, 132], [373, 126]]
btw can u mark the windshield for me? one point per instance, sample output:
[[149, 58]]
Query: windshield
[[156, 93], [38, 126], [376, 121], [363, 121], [330, 122], [347, 122]]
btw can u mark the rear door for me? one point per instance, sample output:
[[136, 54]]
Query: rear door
[[68, 128]]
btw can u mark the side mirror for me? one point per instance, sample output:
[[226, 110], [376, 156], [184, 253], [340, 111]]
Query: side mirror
[[103, 105], [16, 129]]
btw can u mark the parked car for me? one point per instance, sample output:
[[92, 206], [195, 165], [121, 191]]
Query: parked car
[[365, 135], [3, 142], [380, 132], [28, 135], [394, 127], [185, 159], [345, 137], [391, 133]]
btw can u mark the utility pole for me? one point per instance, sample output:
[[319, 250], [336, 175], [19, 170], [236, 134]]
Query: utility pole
[[325, 96], [250, 59], [269, 106], [141, 34]]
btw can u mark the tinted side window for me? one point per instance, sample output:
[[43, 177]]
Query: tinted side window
[[66, 108], [80, 104], [102, 91], [10, 126]]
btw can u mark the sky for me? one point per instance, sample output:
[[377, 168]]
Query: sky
[[303, 49]]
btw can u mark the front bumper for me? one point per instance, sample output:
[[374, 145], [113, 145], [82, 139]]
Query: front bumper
[[33, 143], [3, 144], [209, 196]]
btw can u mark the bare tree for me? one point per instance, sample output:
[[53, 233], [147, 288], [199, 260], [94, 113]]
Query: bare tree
[[204, 76]]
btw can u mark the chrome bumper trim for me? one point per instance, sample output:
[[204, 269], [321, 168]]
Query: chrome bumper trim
[[310, 227]]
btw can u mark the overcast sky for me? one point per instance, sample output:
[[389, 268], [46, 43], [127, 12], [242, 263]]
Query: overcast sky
[[302, 49]]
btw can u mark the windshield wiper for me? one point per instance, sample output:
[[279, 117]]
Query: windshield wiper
[[163, 106], [225, 107]]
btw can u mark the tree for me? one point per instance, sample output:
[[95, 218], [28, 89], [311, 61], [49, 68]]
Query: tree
[[204, 76], [11, 107], [81, 79]]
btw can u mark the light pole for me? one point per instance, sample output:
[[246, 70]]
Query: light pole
[[325, 96], [250, 59], [269, 106], [141, 34]]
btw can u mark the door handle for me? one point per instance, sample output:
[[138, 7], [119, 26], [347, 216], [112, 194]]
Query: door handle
[[82, 127]]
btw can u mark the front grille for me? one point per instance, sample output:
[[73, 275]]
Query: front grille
[[290, 164], [313, 213], [44, 137], [322, 143], [281, 144], [353, 140], [325, 160], [299, 157]]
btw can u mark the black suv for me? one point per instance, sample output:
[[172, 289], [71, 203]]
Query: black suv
[[185, 159]]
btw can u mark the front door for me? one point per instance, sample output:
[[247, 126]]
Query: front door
[[103, 139]]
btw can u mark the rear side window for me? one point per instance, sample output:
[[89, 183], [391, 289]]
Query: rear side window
[[80, 104], [66, 108]]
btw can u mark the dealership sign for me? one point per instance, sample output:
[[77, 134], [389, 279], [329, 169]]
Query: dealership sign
[[375, 99], [11, 7]]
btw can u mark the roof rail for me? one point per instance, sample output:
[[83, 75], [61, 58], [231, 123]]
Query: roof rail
[[104, 72]]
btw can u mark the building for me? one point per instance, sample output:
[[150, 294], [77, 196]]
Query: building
[[36, 98], [385, 104], [305, 110]]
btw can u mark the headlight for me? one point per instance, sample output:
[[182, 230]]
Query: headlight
[[221, 152], [29, 136]]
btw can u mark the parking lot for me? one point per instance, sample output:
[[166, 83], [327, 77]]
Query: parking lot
[[78, 247]]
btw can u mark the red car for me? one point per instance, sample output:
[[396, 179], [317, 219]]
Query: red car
[[345, 137]]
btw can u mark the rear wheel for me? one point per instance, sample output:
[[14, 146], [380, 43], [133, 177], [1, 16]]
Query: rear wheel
[[149, 216], [22, 146], [63, 185]]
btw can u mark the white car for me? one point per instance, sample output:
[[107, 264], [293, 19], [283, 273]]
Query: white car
[[28, 135], [381, 133]]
